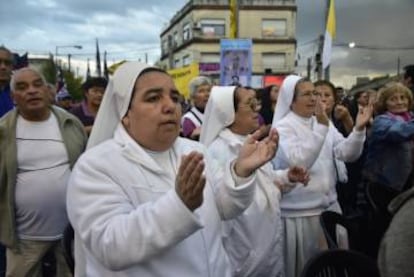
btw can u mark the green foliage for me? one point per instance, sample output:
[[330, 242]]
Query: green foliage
[[73, 84], [49, 71]]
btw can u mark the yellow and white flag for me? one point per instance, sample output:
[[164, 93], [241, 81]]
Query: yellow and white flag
[[233, 18], [329, 35]]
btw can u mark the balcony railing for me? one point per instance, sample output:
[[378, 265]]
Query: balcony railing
[[192, 3]]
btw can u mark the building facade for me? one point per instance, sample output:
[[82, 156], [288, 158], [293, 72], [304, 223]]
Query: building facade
[[193, 35]]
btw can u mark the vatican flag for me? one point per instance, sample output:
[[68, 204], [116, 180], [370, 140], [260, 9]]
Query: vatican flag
[[329, 35]]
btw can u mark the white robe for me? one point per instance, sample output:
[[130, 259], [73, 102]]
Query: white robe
[[304, 142], [254, 239], [129, 221]]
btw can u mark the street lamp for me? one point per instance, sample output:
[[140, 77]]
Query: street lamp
[[65, 46]]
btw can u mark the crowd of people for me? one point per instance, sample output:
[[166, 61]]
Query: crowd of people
[[233, 185]]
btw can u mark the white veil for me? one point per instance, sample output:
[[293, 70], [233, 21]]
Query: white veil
[[285, 98], [115, 102], [219, 113]]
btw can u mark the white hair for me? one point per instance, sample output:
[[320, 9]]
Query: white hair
[[196, 82], [22, 70]]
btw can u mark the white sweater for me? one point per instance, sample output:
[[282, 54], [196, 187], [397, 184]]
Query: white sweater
[[254, 239], [129, 221], [304, 142]]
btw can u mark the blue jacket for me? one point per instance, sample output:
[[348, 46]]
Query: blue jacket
[[6, 102], [389, 158]]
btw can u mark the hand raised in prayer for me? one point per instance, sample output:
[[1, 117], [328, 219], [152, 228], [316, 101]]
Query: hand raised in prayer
[[189, 183], [254, 153], [341, 112], [363, 117], [298, 174], [320, 112]]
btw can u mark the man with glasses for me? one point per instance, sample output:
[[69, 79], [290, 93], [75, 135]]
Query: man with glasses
[[94, 89], [6, 66]]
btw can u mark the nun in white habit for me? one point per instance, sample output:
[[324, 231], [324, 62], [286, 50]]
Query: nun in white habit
[[253, 240], [145, 202], [307, 138]]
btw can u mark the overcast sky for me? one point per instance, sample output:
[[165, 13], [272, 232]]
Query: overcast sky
[[130, 29]]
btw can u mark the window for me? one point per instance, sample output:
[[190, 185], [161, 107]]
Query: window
[[210, 58], [213, 27], [273, 28], [177, 63], [274, 61], [164, 46], [175, 39], [186, 60], [186, 32]]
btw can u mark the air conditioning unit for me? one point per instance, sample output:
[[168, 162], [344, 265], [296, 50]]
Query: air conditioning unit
[[197, 26]]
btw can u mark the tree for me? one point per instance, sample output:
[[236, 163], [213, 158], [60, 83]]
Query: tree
[[73, 84], [49, 70]]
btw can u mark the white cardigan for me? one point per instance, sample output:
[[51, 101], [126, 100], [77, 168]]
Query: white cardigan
[[254, 239], [129, 221], [304, 142]]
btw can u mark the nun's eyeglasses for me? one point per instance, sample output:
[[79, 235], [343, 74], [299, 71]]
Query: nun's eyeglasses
[[253, 104]]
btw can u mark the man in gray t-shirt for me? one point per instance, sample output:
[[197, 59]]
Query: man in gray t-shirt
[[39, 145]]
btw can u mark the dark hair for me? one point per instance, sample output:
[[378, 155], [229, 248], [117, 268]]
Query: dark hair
[[358, 94], [143, 72], [266, 110], [94, 82], [303, 80], [236, 98], [328, 84], [409, 71], [3, 48]]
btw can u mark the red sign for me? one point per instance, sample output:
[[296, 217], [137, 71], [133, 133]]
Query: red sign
[[273, 80]]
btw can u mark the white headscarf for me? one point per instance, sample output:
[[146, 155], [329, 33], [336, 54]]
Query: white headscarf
[[285, 98], [219, 113], [115, 102]]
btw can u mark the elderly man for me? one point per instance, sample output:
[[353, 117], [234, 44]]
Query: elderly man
[[154, 208], [199, 92], [310, 140], [38, 144]]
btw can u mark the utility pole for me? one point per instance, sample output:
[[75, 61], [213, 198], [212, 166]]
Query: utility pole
[[398, 66], [327, 72], [69, 56], [318, 58], [308, 68], [328, 68]]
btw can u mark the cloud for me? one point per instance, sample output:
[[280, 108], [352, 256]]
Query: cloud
[[379, 23], [131, 29]]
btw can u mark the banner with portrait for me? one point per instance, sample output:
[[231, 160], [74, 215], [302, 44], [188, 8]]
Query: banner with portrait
[[235, 62]]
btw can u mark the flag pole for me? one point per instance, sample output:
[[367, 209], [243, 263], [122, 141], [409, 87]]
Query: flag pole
[[327, 72], [329, 37]]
